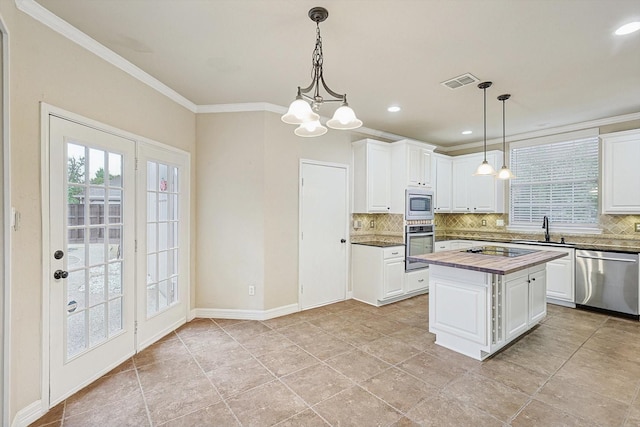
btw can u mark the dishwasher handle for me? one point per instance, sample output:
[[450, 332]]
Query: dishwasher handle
[[607, 258]]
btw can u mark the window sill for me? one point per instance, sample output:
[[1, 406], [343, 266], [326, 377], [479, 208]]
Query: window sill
[[560, 229]]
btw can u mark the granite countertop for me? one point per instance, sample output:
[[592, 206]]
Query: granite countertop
[[377, 243], [489, 263]]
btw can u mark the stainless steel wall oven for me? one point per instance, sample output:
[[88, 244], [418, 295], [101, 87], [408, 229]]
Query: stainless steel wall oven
[[418, 241]]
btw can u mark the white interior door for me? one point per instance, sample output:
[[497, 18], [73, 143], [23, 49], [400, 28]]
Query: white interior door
[[91, 226], [323, 233], [163, 242]]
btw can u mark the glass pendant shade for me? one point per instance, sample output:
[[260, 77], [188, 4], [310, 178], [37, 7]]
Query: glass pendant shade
[[344, 118], [485, 169], [310, 129], [505, 173], [299, 112]]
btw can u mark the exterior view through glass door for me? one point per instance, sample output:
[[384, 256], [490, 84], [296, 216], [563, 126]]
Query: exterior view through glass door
[[92, 258], [162, 242]]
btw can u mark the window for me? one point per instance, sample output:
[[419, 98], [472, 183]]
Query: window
[[558, 179]]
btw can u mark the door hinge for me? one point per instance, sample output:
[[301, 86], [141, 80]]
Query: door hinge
[[135, 249], [303, 182], [302, 235], [135, 327], [136, 163]]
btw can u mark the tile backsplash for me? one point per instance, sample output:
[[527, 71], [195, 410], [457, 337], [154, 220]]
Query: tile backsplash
[[386, 227], [617, 230]]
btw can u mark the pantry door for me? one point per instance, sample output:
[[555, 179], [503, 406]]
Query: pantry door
[[91, 254], [163, 242], [323, 233]]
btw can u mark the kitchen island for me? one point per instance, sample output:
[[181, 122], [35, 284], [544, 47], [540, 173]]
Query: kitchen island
[[483, 298]]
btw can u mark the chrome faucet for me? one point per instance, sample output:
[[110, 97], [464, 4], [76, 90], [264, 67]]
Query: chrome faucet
[[545, 225]]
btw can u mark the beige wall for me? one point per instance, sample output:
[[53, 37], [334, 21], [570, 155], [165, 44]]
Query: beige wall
[[248, 168], [45, 66]]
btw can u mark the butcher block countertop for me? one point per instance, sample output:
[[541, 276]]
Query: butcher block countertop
[[502, 265]]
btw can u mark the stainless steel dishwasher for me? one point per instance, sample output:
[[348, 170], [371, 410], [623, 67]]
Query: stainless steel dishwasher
[[608, 281]]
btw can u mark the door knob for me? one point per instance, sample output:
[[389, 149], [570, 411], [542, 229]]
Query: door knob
[[343, 241], [58, 254], [60, 274]]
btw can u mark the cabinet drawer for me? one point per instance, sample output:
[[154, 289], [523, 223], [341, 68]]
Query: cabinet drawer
[[393, 252], [415, 280]]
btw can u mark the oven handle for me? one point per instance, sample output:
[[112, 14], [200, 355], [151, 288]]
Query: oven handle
[[419, 234]]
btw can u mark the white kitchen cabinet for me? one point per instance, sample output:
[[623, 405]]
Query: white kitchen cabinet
[[561, 276], [371, 177], [442, 172], [441, 246], [410, 167], [393, 271], [477, 313], [537, 295], [416, 280], [476, 194], [516, 305], [525, 300], [620, 172], [378, 276]]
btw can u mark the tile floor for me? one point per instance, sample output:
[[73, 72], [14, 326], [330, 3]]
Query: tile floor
[[350, 364]]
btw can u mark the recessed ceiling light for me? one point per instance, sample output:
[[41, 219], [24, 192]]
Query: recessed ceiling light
[[467, 132], [393, 109], [628, 28]]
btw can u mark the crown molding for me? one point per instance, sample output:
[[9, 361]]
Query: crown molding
[[546, 132], [39, 13]]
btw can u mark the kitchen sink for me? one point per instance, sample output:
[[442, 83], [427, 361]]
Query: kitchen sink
[[544, 243]]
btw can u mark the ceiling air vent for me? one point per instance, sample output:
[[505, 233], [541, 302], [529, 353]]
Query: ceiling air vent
[[463, 80]]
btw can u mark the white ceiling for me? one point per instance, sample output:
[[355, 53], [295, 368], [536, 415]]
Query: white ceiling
[[558, 58]]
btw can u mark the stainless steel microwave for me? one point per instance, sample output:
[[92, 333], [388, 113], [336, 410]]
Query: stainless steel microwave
[[419, 204]]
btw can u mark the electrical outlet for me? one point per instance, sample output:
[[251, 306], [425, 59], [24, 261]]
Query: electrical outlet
[[637, 227], [484, 222], [500, 223], [252, 290], [372, 224]]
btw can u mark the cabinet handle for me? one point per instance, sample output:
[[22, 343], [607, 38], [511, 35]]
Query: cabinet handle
[[533, 278], [395, 253], [421, 280]]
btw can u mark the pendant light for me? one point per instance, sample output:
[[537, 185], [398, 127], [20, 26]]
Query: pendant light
[[504, 172], [485, 169], [303, 111]]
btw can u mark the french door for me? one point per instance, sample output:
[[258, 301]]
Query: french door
[[118, 250], [163, 242], [92, 254]]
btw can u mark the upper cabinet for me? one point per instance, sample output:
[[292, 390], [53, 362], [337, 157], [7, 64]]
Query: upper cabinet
[[476, 194], [620, 172], [411, 166], [442, 175], [371, 176]]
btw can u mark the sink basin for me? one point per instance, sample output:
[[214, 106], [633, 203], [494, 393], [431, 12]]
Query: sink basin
[[543, 243]]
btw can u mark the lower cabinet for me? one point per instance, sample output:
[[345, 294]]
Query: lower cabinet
[[477, 313], [416, 280], [525, 300], [378, 276]]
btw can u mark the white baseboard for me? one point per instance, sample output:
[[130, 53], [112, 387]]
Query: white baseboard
[[224, 313], [192, 315], [28, 414], [561, 302], [349, 295]]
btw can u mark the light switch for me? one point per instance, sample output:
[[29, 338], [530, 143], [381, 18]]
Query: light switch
[[637, 227]]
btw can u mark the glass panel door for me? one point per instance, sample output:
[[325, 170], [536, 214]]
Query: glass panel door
[[163, 242], [92, 254], [162, 236]]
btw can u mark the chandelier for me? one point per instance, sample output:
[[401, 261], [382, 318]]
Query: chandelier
[[303, 111]]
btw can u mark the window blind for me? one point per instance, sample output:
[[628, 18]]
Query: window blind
[[559, 180]]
